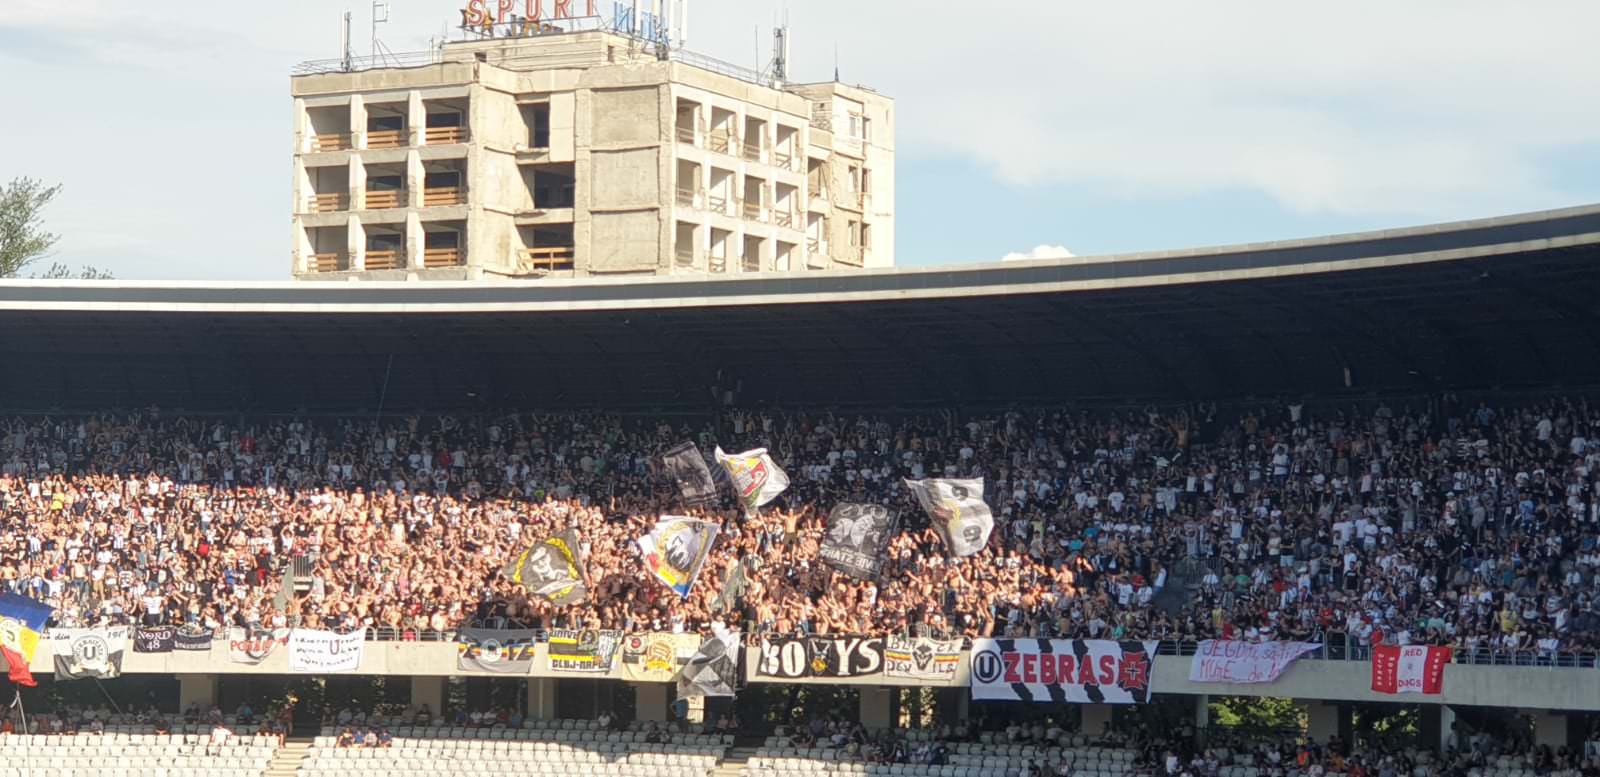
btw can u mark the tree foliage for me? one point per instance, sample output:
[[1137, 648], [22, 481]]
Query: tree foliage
[[23, 239], [1266, 713]]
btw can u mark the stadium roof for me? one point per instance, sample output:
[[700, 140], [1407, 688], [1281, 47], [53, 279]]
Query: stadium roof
[[1501, 302]]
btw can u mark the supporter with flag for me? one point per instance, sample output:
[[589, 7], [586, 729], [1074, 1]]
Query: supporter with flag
[[21, 623], [960, 516], [675, 550], [756, 478], [551, 569]]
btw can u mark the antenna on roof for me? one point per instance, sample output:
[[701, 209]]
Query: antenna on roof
[[380, 15], [836, 63], [344, 43]]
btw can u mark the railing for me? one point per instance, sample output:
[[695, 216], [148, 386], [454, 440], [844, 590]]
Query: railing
[[688, 197], [549, 258], [686, 134], [717, 203], [783, 159], [384, 260], [330, 141], [752, 210], [330, 262], [720, 141], [750, 263], [437, 196], [441, 257], [440, 136], [685, 257], [385, 198], [783, 218], [328, 203], [752, 152], [386, 139], [814, 245], [718, 264]]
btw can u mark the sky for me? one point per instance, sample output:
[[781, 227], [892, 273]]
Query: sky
[[1024, 130]]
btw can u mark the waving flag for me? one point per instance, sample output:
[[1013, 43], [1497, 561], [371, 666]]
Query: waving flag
[[21, 621], [551, 569], [958, 511], [757, 480], [676, 549]]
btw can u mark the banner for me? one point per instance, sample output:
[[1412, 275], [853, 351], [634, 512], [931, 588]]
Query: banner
[[688, 469], [154, 639], [89, 653], [325, 652], [551, 569], [714, 668], [920, 658], [959, 514], [856, 537], [1080, 671], [193, 638], [583, 651], [1409, 668], [254, 645], [21, 627], [676, 549], [792, 658], [501, 651], [1231, 661], [757, 480], [655, 656]]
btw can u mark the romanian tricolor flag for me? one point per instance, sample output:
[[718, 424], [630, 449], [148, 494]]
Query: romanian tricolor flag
[[21, 621]]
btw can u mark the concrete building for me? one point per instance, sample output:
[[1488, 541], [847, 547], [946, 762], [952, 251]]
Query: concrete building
[[578, 154]]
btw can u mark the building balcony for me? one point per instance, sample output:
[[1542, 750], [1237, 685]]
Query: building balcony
[[331, 202], [718, 203], [689, 198], [385, 260], [549, 258], [444, 136], [721, 141], [385, 198], [784, 218], [752, 211], [440, 196], [330, 141], [386, 139], [684, 257], [686, 135], [441, 257], [784, 160], [329, 262], [718, 264], [751, 152]]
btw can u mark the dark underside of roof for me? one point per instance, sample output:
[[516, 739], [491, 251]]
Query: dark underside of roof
[[1511, 322]]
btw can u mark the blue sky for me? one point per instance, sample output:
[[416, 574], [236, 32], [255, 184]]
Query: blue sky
[[1097, 127]]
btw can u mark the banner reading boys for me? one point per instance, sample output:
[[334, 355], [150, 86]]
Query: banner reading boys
[[1082, 671]]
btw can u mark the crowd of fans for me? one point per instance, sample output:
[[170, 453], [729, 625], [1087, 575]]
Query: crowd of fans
[[1444, 522]]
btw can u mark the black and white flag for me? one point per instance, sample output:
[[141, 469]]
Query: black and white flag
[[959, 514], [552, 569], [86, 653], [688, 469], [856, 538], [154, 639], [714, 669]]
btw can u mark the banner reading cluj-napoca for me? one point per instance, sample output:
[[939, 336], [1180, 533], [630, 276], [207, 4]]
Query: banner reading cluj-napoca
[[1082, 671], [756, 478], [856, 536], [583, 650], [1231, 661], [324, 652], [959, 514]]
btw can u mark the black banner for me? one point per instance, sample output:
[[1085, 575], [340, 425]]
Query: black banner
[[792, 658], [856, 538], [192, 638], [687, 467], [154, 639]]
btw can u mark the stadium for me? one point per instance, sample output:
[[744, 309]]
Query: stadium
[[1314, 506]]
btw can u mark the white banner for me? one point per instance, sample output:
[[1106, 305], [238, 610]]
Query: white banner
[[1080, 671], [324, 652], [757, 479], [920, 658], [1230, 661]]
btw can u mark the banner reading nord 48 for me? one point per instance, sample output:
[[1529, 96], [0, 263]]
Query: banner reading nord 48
[[1085, 671]]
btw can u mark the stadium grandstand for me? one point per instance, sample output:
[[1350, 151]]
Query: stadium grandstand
[[1315, 507]]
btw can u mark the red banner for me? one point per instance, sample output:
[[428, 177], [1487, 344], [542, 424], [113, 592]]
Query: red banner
[[1409, 668]]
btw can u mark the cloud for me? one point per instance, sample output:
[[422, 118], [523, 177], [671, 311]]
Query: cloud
[[1040, 252]]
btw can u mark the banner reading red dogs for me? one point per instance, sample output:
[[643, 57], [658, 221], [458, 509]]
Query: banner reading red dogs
[[1409, 669], [1084, 671]]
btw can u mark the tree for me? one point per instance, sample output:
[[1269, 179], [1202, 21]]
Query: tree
[[23, 239], [59, 271]]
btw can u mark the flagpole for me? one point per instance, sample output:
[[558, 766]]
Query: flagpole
[[22, 712]]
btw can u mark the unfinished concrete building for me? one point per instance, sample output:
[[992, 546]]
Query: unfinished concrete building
[[582, 154]]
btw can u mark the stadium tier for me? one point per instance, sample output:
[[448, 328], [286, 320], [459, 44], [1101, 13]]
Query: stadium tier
[[1352, 472]]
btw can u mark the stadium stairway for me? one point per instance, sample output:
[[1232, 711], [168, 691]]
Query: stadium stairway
[[286, 760], [735, 762]]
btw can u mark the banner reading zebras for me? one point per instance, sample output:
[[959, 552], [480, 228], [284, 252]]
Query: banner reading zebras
[[1082, 671], [856, 537]]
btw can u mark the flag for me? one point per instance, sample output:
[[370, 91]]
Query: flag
[[89, 653], [551, 569], [757, 480], [714, 669], [1409, 668], [21, 622], [676, 549], [958, 511], [688, 469], [856, 537]]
